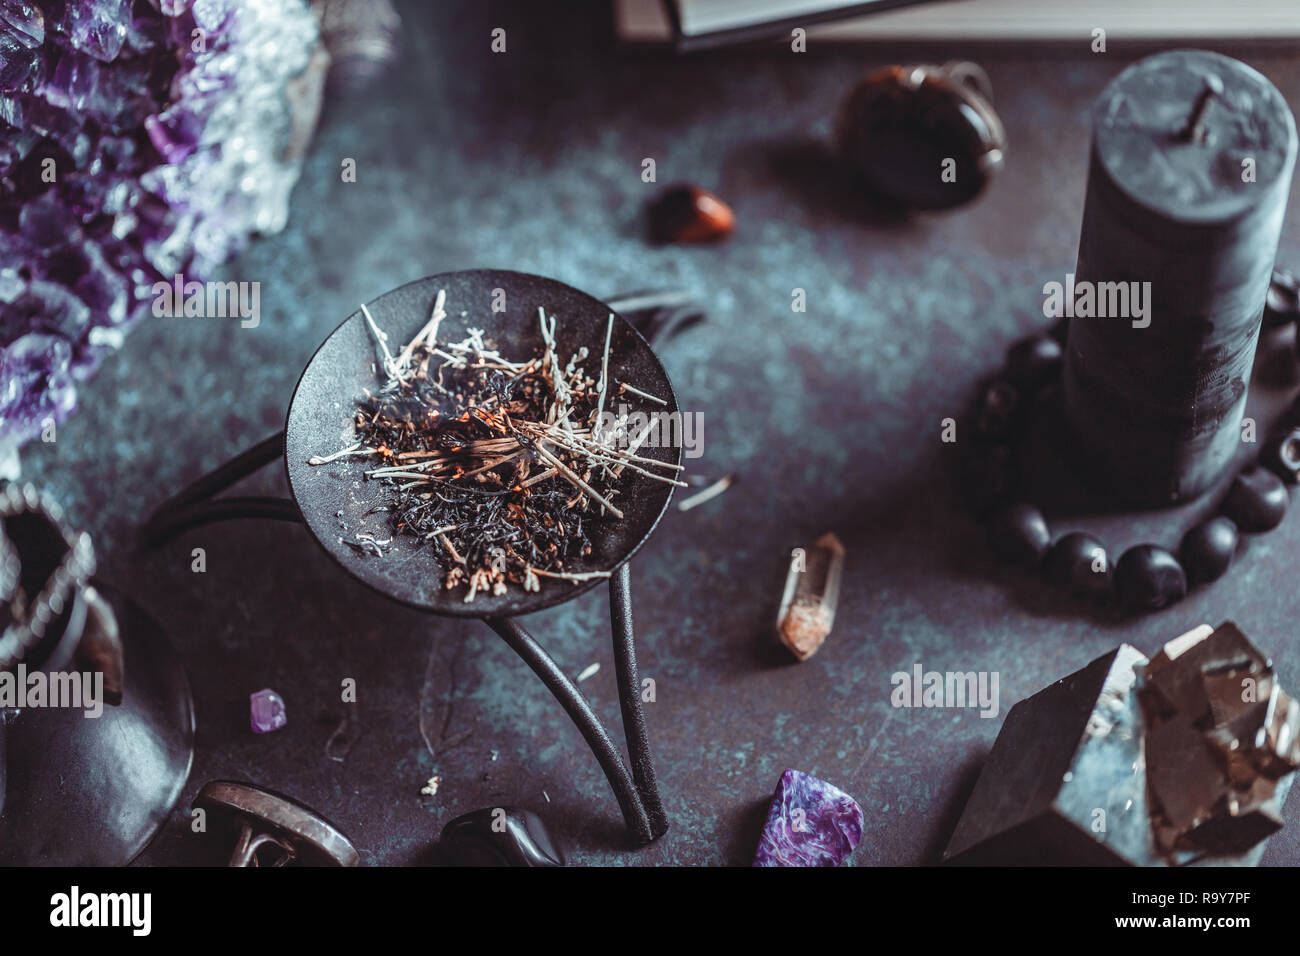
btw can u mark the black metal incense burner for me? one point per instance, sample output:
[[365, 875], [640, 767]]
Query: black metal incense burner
[[331, 498]]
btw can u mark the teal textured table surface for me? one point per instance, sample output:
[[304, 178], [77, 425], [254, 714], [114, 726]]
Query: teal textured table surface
[[532, 160]]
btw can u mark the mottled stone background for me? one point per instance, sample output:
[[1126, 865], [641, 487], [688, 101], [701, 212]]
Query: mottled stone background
[[531, 160]]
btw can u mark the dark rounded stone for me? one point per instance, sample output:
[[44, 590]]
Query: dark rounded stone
[[1281, 455], [1256, 501], [1018, 534], [1207, 549], [997, 409], [686, 213], [1148, 578], [987, 476], [500, 836], [1079, 563], [1033, 362]]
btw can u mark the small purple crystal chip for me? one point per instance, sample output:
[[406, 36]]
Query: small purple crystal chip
[[810, 823], [266, 711]]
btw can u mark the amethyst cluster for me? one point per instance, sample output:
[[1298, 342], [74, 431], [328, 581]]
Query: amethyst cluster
[[139, 139]]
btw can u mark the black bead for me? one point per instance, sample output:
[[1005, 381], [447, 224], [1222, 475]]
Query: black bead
[[1283, 302], [500, 836], [1018, 533], [1256, 501], [997, 410], [1148, 578], [1079, 564], [1208, 548], [1281, 455], [1033, 362]]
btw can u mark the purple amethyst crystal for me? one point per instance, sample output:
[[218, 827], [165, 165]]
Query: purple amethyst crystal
[[266, 711], [138, 140], [810, 823]]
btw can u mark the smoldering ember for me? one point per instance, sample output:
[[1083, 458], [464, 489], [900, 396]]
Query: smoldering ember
[[924, 688]]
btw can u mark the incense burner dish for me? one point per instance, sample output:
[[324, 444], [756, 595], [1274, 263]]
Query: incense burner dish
[[338, 502]]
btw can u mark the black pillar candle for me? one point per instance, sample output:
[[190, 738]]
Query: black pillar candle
[[1192, 155]]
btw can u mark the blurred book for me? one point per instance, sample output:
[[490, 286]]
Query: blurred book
[[702, 23]]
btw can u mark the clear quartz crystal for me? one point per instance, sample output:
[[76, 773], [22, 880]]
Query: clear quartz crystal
[[812, 594]]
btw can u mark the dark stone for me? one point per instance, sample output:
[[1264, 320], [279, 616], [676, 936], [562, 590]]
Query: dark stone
[[1018, 534], [1129, 744], [1033, 362], [1063, 754], [1070, 564], [1148, 578], [1207, 549], [998, 409], [685, 213], [500, 836], [1220, 743], [1281, 455], [1256, 501]]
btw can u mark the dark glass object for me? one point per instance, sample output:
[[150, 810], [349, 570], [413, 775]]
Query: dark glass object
[[923, 137]]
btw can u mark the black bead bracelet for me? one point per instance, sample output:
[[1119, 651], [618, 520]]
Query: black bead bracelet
[[1146, 577]]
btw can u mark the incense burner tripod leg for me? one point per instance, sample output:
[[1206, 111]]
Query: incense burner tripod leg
[[629, 695], [196, 505], [637, 791]]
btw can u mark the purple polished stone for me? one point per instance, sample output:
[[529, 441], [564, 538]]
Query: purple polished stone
[[266, 710], [810, 823]]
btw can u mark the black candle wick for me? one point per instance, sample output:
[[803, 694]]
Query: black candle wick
[[1194, 130]]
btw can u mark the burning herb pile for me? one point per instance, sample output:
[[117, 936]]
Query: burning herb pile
[[500, 465]]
